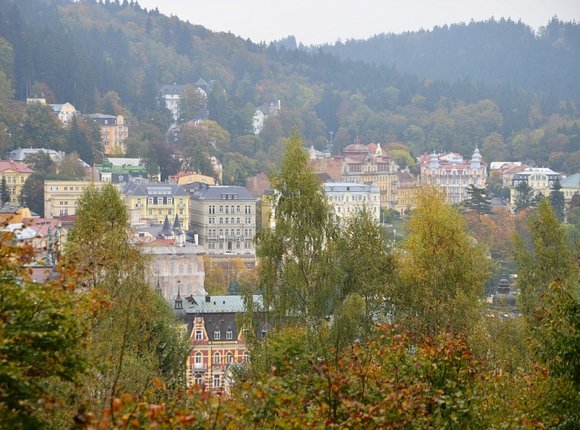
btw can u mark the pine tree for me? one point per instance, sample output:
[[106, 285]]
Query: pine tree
[[4, 192], [524, 197], [557, 200], [478, 200]]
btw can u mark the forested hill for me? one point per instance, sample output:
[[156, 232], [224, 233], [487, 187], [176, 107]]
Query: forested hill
[[494, 51], [114, 57]]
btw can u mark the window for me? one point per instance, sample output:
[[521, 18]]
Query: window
[[198, 379], [229, 334], [198, 335], [198, 358], [246, 357], [169, 201], [229, 358], [216, 381], [216, 335], [217, 358]]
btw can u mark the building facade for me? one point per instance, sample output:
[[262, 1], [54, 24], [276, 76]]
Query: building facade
[[407, 188], [65, 112], [225, 219], [61, 197], [151, 202], [347, 198], [15, 174], [114, 132], [570, 186], [453, 175], [366, 164], [216, 340], [540, 179], [185, 178]]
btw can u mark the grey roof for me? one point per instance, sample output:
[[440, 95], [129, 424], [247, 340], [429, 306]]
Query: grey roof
[[100, 116], [222, 192], [572, 181], [152, 189], [20, 154], [217, 304]]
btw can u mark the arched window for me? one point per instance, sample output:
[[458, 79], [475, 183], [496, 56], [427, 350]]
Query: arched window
[[217, 358], [198, 379], [198, 358], [229, 358]]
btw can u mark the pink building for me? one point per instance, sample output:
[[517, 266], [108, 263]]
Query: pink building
[[452, 174]]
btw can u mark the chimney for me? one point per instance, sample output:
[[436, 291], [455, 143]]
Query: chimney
[[208, 298]]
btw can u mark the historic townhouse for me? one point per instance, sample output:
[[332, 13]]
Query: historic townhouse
[[15, 174], [347, 198], [114, 132], [216, 339], [365, 164], [225, 220], [61, 197], [150, 202], [540, 179], [452, 174]]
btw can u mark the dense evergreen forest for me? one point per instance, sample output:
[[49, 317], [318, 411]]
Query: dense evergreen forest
[[114, 56], [503, 52]]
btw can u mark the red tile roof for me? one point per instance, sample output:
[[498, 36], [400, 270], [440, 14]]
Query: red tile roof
[[15, 166]]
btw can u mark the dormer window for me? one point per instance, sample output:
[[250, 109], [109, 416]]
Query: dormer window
[[229, 334], [216, 335]]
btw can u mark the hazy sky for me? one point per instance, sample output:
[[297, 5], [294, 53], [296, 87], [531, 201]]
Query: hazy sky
[[320, 21]]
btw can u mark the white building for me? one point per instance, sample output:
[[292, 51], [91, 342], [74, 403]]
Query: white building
[[347, 198], [540, 179]]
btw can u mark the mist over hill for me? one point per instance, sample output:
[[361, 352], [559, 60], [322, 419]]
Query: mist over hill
[[493, 84]]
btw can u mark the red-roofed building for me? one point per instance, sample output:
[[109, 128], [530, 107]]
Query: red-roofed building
[[16, 175]]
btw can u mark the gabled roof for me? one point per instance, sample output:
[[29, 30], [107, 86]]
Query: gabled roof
[[14, 166]]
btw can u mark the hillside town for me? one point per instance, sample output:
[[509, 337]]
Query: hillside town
[[198, 230], [191, 222]]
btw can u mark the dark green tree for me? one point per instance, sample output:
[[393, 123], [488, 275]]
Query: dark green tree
[[33, 193], [557, 200], [4, 192], [478, 200], [524, 196]]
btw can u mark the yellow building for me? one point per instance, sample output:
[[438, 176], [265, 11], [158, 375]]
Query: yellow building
[[150, 203], [15, 174], [114, 132], [407, 189], [184, 178], [366, 163], [61, 197]]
